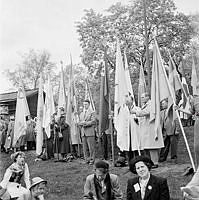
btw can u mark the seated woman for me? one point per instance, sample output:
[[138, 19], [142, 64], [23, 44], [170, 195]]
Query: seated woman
[[146, 186], [11, 183]]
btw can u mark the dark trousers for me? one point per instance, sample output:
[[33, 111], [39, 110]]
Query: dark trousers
[[89, 147], [31, 145], [131, 154], [77, 150], [104, 146], [169, 141], [50, 148]]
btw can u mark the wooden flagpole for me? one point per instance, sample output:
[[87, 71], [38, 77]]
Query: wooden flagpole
[[183, 133]]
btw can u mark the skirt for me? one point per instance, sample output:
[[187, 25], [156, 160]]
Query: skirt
[[16, 190]]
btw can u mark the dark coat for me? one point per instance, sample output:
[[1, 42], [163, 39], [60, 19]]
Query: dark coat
[[30, 131], [156, 189], [64, 142]]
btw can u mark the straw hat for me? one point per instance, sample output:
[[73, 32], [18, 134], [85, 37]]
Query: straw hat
[[36, 181]]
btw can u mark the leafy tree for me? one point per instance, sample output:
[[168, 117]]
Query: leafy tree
[[29, 70], [172, 29]]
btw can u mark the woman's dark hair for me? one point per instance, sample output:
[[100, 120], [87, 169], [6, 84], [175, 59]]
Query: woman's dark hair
[[15, 155], [132, 164]]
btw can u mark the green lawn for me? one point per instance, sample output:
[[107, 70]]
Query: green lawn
[[66, 180]]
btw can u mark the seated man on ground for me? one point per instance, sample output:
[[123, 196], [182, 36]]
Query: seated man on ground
[[36, 190], [102, 185]]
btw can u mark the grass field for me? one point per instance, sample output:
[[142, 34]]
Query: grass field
[[66, 180]]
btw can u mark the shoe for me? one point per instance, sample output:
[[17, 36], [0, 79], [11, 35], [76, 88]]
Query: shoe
[[91, 162], [86, 162], [188, 171], [174, 160], [154, 166]]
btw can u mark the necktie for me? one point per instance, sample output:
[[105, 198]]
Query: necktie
[[85, 114], [143, 188]]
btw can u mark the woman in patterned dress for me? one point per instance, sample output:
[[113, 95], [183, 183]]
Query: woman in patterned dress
[[11, 183]]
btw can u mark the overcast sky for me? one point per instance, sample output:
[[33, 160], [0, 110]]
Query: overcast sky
[[49, 24]]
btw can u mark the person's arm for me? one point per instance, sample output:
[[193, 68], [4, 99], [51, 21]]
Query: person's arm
[[26, 196], [92, 120], [6, 178], [164, 190], [27, 176], [192, 108], [88, 195], [144, 112], [117, 190]]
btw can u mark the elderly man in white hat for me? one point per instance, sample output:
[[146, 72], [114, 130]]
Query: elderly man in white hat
[[36, 190]]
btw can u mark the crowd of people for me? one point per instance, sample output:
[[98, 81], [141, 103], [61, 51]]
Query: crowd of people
[[152, 150], [26, 141], [103, 185]]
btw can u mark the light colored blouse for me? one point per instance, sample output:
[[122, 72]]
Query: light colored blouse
[[14, 169]]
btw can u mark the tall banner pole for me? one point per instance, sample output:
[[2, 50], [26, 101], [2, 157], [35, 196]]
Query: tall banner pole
[[183, 133], [112, 132]]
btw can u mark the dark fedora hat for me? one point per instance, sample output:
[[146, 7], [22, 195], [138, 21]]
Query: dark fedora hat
[[149, 163], [101, 164]]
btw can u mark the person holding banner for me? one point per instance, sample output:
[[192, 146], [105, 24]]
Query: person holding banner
[[30, 133], [62, 146], [133, 131], [170, 130], [148, 142], [10, 134], [195, 111]]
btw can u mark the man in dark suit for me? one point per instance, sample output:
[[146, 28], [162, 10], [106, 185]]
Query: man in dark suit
[[87, 123], [146, 186], [170, 130]]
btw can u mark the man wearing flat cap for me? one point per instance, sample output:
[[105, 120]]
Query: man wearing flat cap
[[146, 186], [36, 190], [102, 185]]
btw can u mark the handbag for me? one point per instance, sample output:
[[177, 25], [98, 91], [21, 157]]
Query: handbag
[[60, 136], [8, 142]]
